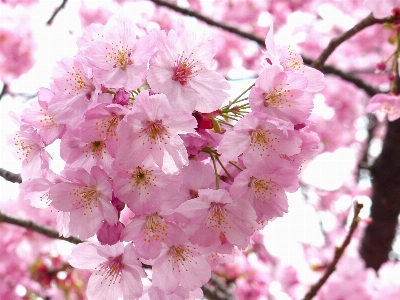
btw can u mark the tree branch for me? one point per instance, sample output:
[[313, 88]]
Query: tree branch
[[385, 209], [33, 226], [214, 291], [338, 253], [3, 90], [335, 42], [328, 69], [56, 11], [10, 176]]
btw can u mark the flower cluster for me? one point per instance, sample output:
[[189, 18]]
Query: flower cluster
[[146, 128]]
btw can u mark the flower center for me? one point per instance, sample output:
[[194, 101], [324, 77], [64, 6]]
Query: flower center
[[184, 69], [119, 55], [86, 198], [277, 98], [217, 217], [111, 270], [155, 228], [24, 147], [95, 149], [141, 178], [262, 140], [263, 190], [155, 131]]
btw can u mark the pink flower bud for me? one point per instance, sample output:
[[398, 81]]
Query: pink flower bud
[[121, 97], [109, 234]]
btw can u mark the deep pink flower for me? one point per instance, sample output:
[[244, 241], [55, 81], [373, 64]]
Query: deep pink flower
[[109, 234]]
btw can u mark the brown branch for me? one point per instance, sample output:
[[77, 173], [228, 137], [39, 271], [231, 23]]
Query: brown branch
[[9, 176], [56, 11], [33, 226], [327, 69], [380, 234], [216, 291], [334, 43], [3, 90], [338, 253], [363, 164]]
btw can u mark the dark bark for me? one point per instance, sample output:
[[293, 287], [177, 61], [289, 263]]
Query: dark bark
[[380, 233]]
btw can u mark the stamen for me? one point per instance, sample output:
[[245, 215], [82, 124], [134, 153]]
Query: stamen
[[184, 69]]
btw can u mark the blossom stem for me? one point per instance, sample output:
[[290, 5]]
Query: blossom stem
[[222, 166], [238, 97], [235, 165], [215, 171]]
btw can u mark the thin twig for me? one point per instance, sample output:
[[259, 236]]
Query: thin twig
[[358, 82], [327, 69], [56, 11], [338, 253], [33, 226], [3, 90], [10, 176], [335, 42]]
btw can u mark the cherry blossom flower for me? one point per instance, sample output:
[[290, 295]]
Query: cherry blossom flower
[[287, 60], [120, 60], [74, 88], [149, 233], [146, 188], [180, 264], [153, 128], [265, 190], [79, 154], [117, 271], [281, 94], [181, 69], [87, 199], [28, 147], [384, 105], [39, 117], [100, 124], [255, 138], [218, 219]]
